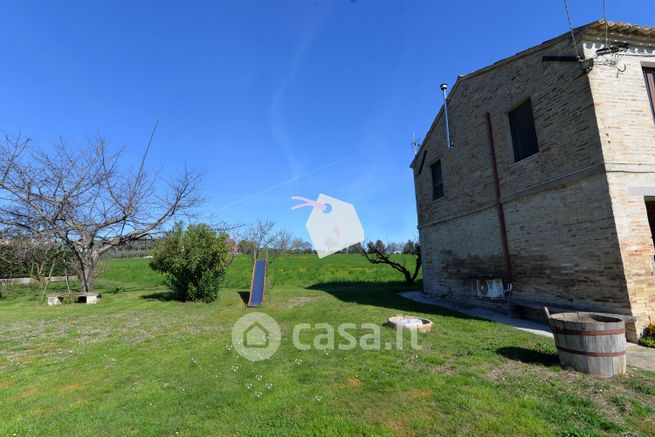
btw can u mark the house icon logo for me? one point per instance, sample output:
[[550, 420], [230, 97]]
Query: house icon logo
[[256, 336]]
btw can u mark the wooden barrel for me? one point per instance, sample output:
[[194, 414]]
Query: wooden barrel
[[590, 343]]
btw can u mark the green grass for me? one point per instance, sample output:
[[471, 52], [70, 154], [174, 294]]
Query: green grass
[[140, 363], [307, 270], [289, 270]]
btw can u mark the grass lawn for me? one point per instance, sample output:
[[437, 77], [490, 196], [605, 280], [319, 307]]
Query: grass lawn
[[140, 363]]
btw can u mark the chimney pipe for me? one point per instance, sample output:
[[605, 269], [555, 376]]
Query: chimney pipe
[[444, 87]]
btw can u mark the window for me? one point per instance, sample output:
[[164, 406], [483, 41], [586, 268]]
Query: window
[[524, 135], [437, 181], [649, 74]]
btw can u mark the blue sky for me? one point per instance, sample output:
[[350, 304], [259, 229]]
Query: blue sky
[[279, 98]]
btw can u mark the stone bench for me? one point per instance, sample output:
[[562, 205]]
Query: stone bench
[[82, 297]]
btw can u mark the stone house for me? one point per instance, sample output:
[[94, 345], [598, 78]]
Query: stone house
[[550, 180]]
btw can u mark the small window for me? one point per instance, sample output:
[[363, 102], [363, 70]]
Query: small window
[[524, 135], [649, 74], [437, 181]]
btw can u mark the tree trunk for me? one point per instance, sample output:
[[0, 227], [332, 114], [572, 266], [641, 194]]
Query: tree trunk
[[417, 266], [408, 277], [88, 263]]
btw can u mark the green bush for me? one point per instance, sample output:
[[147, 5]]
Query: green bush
[[194, 261], [648, 339]]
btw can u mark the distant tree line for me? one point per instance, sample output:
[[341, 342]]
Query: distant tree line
[[133, 249], [22, 257], [405, 257]]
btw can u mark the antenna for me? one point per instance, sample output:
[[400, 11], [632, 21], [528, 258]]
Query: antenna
[[444, 87], [415, 144]]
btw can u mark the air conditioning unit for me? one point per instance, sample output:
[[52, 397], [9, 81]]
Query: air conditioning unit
[[492, 288]]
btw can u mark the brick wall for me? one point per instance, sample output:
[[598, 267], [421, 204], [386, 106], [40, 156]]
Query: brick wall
[[560, 96], [627, 130], [563, 240]]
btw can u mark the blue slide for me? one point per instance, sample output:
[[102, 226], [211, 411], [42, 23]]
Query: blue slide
[[258, 282]]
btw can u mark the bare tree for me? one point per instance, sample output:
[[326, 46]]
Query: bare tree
[[298, 245], [379, 253], [410, 247], [82, 197], [261, 241]]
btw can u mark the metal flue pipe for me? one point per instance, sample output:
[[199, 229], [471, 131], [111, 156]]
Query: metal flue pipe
[[444, 87]]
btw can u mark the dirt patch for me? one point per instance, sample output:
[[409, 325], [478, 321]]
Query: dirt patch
[[298, 301], [24, 359], [501, 373], [417, 393], [47, 348], [399, 428], [354, 383], [70, 387], [29, 392], [447, 368]]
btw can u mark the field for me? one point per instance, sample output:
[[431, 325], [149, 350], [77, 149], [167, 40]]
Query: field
[[141, 363]]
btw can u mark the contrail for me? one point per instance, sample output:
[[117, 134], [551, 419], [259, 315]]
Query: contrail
[[293, 179]]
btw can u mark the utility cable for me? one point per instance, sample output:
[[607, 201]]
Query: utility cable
[[568, 18]]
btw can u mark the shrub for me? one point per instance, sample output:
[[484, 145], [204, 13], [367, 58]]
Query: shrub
[[649, 337], [647, 341], [194, 261]]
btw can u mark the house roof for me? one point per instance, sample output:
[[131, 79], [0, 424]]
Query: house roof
[[596, 26], [617, 26]]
